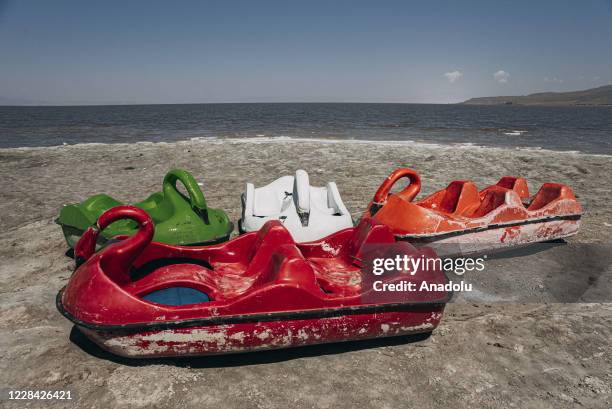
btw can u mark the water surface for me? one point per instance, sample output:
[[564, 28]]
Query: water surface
[[585, 129]]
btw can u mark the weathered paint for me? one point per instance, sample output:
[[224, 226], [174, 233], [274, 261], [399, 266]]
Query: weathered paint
[[503, 237], [328, 248], [248, 337], [492, 218], [266, 291]]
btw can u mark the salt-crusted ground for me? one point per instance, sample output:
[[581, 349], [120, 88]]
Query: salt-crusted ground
[[484, 354]]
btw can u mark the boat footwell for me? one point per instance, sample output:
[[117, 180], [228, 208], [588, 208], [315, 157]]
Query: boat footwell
[[265, 335]]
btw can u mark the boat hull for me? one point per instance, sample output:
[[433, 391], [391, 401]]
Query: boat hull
[[73, 235], [264, 335], [492, 238]]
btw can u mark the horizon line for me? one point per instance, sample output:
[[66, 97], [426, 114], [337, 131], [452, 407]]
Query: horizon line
[[104, 104], [100, 104]]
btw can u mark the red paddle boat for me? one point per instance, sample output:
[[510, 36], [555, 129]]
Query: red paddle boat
[[138, 298], [501, 215]]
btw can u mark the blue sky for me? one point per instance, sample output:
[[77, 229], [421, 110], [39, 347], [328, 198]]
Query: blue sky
[[269, 51]]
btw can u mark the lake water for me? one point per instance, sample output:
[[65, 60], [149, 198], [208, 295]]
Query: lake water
[[585, 129]]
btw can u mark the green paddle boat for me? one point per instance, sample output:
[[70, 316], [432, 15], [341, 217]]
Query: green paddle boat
[[178, 219]]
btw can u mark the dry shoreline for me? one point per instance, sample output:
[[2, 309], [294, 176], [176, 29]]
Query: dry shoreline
[[42, 179], [483, 355]]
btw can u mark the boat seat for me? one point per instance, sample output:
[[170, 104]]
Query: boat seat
[[368, 236], [309, 212], [177, 296], [272, 234], [270, 200], [368, 240], [334, 202], [460, 198], [98, 204], [494, 198], [548, 193], [519, 185], [262, 260], [179, 274], [287, 265]]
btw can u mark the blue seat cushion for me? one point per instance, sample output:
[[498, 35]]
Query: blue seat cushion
[[177, 296]]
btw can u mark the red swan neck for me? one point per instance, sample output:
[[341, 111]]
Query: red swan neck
[[118, 257]]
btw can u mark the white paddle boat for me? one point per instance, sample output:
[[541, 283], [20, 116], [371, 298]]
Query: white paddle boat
[[308, 212]]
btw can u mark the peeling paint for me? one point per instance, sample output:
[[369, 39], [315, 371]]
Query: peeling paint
[[201, 335], [328, 248], [264, 334], [499, 238], [417, 328], [303, 335], [243, 337], [238, 336]]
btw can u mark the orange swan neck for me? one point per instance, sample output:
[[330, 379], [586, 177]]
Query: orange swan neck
[[409, 192]]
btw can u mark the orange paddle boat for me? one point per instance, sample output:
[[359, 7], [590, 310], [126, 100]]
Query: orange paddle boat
[[501, 215]]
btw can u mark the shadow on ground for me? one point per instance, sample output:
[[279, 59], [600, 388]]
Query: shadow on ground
[[525, 250]]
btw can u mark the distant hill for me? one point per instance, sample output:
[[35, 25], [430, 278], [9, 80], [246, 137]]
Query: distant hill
[[593, 96]]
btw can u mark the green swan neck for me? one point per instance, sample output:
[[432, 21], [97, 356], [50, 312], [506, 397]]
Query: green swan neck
[[196, 197]]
